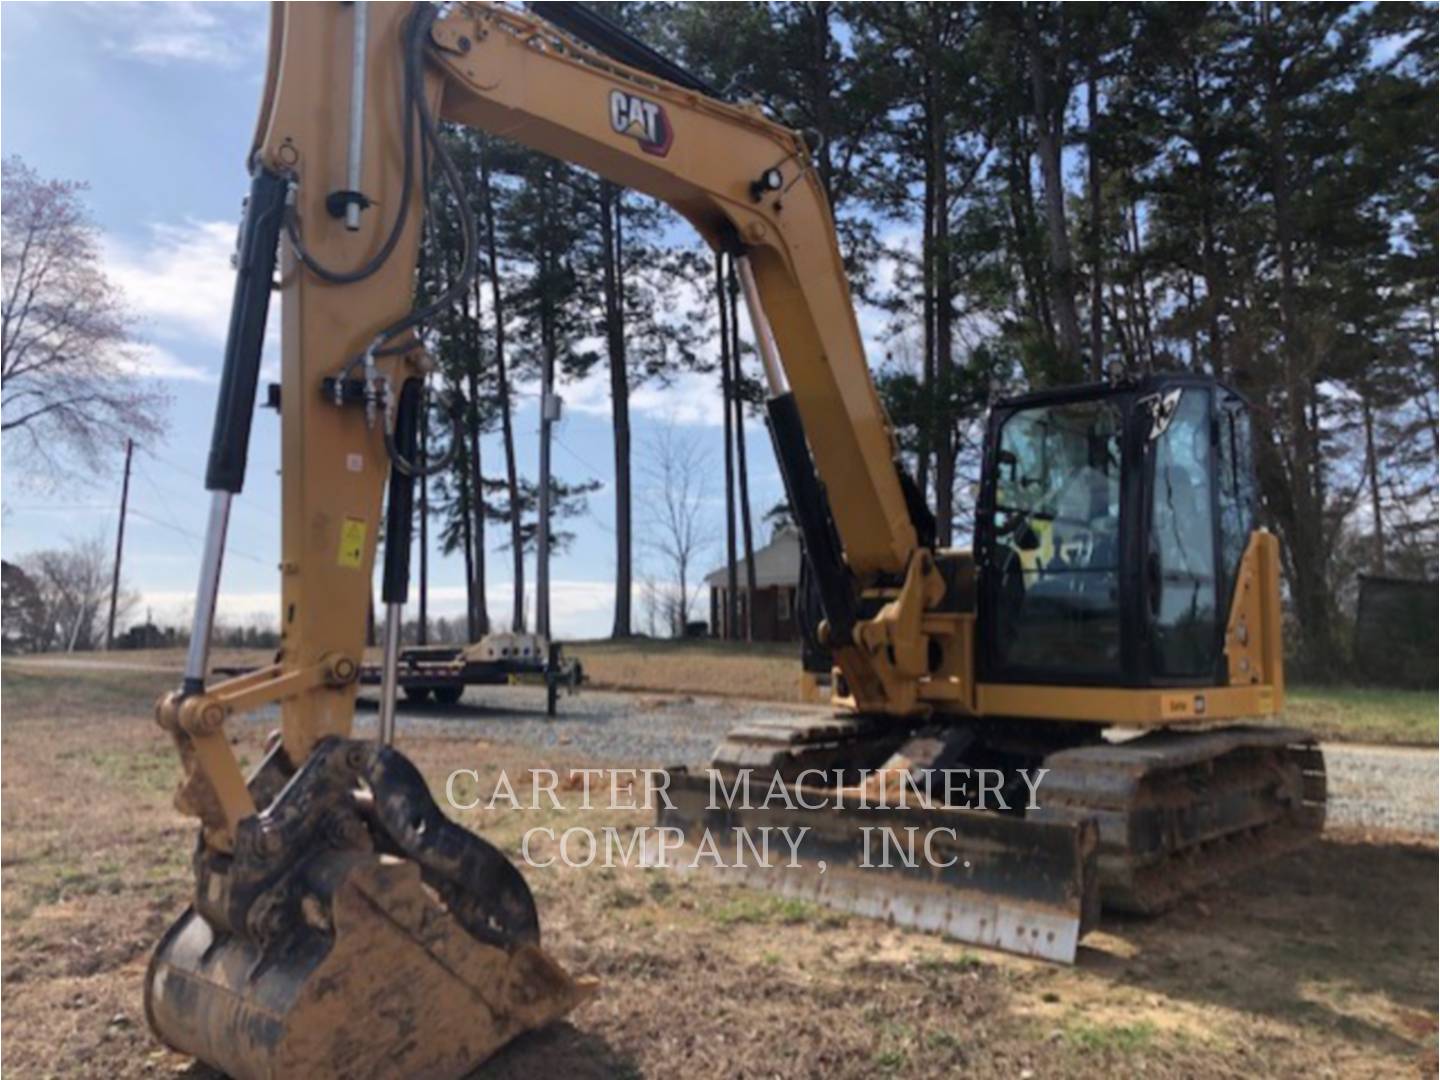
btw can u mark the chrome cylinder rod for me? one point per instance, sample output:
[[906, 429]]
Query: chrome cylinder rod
[[197, 659], [354, 159], [764, 335], [389, 672]]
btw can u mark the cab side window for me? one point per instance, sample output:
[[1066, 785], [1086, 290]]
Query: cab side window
[[1181, 561], [1238, 497]]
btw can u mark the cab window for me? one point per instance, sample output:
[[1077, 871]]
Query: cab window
[[1056, 555], [1181, 562]]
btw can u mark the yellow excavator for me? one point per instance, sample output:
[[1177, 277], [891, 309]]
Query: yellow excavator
[[341, 925]]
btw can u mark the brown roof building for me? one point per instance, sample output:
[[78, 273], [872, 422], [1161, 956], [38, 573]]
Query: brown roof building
[[777, 577]]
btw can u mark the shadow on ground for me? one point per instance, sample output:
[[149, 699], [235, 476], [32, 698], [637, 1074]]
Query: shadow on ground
[[1339, 935]]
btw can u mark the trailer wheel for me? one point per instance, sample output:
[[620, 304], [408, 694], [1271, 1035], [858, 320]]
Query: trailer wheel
[[448, 695], [418, 694]]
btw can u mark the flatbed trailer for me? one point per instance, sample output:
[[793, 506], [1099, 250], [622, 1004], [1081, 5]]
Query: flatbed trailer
[[441, 673]]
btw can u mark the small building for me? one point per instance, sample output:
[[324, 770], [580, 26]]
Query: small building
[[1395, 633], [777, 579]]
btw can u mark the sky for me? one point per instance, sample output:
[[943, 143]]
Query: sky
[[153, 107]]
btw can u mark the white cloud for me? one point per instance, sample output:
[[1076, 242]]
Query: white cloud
[[180, 282], [213, 35], [691, 398], [151, 361]]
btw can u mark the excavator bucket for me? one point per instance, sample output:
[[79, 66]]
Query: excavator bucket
[[989, 879], [356, 932]]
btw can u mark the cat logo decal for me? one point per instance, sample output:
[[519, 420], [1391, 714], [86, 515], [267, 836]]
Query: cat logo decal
[[644, 121]]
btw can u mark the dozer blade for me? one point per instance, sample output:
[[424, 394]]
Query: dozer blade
[[988, 879], [354, 932]]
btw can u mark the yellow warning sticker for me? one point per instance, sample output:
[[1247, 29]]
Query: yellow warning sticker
[[1267, 699], [352, 543]]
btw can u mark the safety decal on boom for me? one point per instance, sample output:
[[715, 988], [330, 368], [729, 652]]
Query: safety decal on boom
[[644, 121], [352, 543]]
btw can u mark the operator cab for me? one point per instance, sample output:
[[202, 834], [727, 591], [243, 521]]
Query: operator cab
[[1112, 522]]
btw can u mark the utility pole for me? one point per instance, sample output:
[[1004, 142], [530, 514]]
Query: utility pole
[[119, 545]]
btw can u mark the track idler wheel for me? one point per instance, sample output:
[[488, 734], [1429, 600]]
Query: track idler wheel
[[354, 931]]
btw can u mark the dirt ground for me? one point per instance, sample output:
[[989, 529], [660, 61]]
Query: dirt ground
[[1323, 963]]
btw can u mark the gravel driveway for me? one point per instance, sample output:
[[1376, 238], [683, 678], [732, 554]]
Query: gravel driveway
[[1383, 787], [1389, 788]]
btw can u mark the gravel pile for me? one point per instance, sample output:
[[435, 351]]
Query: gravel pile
[[1370, 787]]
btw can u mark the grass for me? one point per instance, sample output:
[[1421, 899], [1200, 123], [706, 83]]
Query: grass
[[150, 770], [754, 908], [1120, 1038], [766, 671], [36, 694], [1364, 714], [941, 965]]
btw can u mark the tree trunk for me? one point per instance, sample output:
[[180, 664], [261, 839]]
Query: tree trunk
[[502, 389], [1372, 475], [944, 304], [1142, 288], [477, 504], [612, 237], [822, 79], [1097, 325], [1209, 257], [548, 351], [1049, 139], [927, 287], [741, 468], [1306, 531], [462, 470], [943, 422], [1021, 199], [423, 630], [731, 617]]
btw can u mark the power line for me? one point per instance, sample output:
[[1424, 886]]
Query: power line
[[197, 537], [192, 474], [164, 502]]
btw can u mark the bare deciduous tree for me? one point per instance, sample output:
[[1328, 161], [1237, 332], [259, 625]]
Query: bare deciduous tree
[[73, 587], [67, 348], [679, 529]]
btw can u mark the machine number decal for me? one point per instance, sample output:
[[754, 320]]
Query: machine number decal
[[644, 121], [1176, 705], [352, 543]]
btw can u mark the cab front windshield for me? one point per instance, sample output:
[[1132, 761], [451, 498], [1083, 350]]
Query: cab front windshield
[[1057, 538]]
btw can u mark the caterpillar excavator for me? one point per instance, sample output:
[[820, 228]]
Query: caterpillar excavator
[[341, 925]]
